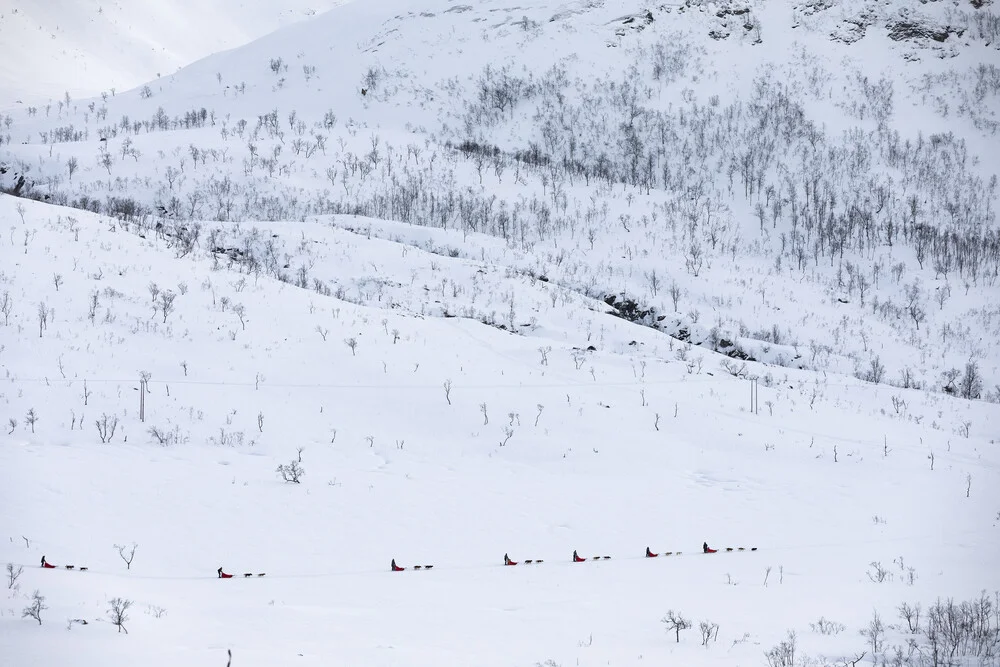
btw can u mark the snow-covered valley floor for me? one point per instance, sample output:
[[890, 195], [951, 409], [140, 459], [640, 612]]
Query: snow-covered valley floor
[[629, 450]]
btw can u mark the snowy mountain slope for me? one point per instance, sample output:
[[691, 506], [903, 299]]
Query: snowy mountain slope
[[854, 188], [504, 277], [83, 47], [627, 449]]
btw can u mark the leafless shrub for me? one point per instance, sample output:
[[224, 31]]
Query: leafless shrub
[[293, 471], [878, 573], [709, 631], [783, 654], [734, 368], [827, 627], [911, 615], [31, 418], [106, 427], [969, 628], [35, 607], [875, 634], [118, 612], [155, 611], [875, 372]]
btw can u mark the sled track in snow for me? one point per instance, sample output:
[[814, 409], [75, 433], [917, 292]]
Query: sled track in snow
[[661, 556]]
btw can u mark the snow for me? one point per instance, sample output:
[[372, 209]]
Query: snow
[[438, 435]]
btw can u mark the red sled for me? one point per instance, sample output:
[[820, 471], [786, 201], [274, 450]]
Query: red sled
[[223, 575], [650, 554], [46, 564], [576, 557], [508, 561], [396, 568], [711, 551]]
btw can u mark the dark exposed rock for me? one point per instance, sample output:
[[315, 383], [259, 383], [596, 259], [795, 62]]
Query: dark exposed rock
[[731, 11], [913, 29], [629, 309]]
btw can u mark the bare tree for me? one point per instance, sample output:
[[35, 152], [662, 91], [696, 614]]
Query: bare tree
[[31, 418], [322, 332], [675, 294], [106, 427], [971, 384], [57, 280], [675, 623], [105, 159], [447, 391], [875, 634], [352, 343], [6, 305], [118, 612], [93, 303], [71, 165], [694, 259], [913, 307], [12, 574], [167, 304], [911, 615], [43, 318], [241, 312], [875, 372], [127, 553], [708, 631], [654, 282], [35, 607]]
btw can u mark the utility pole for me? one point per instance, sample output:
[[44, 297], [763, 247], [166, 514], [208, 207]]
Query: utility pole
[[754, 406], [143, 388]]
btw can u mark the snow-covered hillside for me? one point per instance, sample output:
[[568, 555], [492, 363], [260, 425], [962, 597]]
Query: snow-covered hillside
[[51, 48], [520, 280]]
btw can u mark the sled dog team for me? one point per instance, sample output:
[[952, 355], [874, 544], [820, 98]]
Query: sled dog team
[[506, 561]]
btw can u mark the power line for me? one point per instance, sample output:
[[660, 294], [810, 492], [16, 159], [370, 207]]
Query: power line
[[323, 385]]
